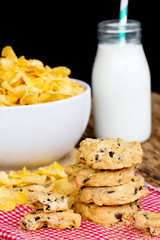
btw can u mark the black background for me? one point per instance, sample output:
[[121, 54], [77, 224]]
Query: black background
[[65, 33]]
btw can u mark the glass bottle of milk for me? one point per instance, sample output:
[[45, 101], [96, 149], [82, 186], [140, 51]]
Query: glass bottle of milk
[[121, 83]]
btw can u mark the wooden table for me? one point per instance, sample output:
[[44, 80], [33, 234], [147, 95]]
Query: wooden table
[[150, 166]]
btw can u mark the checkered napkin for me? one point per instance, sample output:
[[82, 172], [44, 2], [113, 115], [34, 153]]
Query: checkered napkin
[[10, 229]]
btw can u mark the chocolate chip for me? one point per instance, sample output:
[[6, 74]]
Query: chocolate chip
[[119, 144], [86, 179], [118, 216], [130, 205], [48, 207], [111, 154], [48, 200], [37, 218], [24, 223], [110, 191], [140, 188], [33, 212], [138, 206], [102, 150], [62, 198], [145, 215], [152, 231], [135, 191], [97, 157], [44, 226]]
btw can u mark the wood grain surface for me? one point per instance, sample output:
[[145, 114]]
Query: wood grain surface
[[150, 166]]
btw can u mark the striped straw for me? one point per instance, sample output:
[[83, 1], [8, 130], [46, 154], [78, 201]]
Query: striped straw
[[123, 17]]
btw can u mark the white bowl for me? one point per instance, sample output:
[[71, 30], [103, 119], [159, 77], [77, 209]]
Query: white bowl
[[37, 135]]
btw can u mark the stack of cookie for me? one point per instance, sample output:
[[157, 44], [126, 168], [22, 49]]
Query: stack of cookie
[[105, 171], [53, 213]]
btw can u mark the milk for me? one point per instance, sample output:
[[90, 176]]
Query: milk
[[121, 92]]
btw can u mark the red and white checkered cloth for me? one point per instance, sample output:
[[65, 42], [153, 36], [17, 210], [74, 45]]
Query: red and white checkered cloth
[[10, 229]]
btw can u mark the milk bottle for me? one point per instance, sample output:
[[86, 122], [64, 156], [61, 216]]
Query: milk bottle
[[121, 85]]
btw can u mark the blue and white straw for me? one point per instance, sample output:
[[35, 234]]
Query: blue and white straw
[[123, 17]]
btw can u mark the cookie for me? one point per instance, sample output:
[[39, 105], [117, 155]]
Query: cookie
[[49, 202], [110, 153], [82, 175], [148, 222], [106, 215], [33, 220], [53, 202], [122, 194], [38, 219], [62, 220]]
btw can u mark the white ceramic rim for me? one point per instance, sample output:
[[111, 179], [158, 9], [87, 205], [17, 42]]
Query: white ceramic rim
[[38, 105]]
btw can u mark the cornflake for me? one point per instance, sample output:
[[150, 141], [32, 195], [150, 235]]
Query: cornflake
[[25, 82]]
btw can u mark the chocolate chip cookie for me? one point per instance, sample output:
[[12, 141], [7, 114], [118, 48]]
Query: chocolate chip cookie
[[148, 222], [38, 219], [122, 194], [49, 202], [33, 220], [106, 215], [82, 175], [110, 153], [52, 201]]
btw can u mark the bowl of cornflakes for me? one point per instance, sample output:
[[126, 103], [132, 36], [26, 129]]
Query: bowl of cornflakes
[[43, 112]]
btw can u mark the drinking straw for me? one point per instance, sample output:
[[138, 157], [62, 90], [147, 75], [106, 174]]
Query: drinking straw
[[123, 17]]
